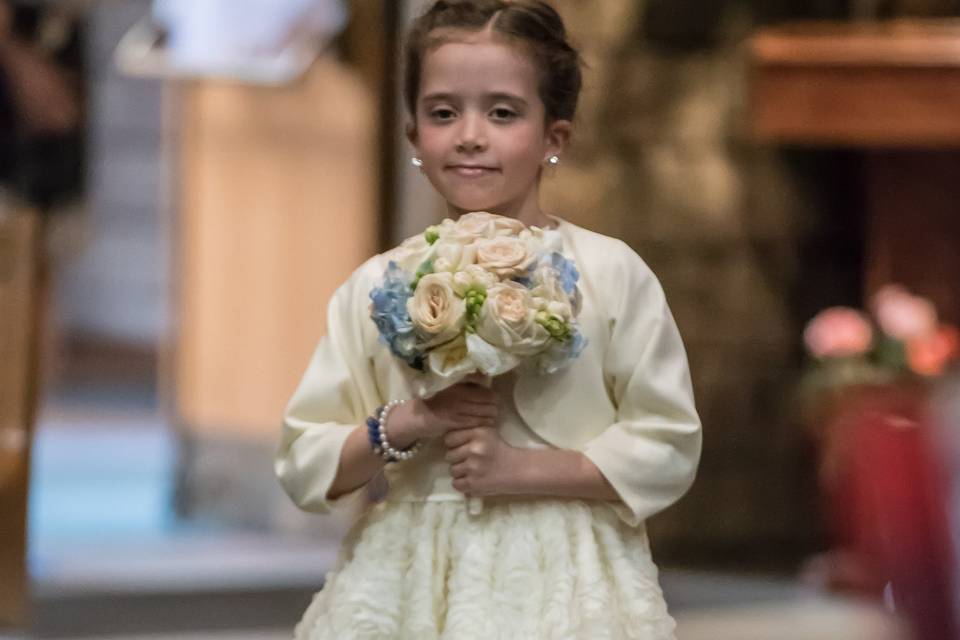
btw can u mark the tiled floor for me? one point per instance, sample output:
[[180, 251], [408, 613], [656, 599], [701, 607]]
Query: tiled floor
[[223, 635], [184, 561], [105, 545], [802, 620], [96, 475]]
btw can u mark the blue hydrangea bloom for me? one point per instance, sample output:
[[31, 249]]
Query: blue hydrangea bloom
[[576, 344], [389, 313], [566, 272], [561, 353]]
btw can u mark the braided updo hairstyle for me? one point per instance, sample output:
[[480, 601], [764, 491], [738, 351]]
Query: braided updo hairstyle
[[532, 23]]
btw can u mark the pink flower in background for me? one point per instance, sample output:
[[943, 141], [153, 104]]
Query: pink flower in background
[[902, 315], [929, 354], [837, 332]]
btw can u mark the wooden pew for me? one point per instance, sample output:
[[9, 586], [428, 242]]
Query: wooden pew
[[20, 233]]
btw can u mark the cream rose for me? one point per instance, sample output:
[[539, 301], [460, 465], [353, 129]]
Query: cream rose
[[473, 276], [478, 224], [411, 253], [560, 309], [508, 320], [481, 224], [451, 360], [453, 256], [447, 232], [505, 256], [469, 228], [549, 295], [438, 314], [504, 226]]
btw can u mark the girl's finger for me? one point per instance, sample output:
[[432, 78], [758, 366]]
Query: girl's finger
[[458, 454], [480, 411], [470, 406], [473, 422], [457, 438], [475, 393], [459, 470]]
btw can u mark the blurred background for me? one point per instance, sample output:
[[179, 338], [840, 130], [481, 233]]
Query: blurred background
[[183, 184]]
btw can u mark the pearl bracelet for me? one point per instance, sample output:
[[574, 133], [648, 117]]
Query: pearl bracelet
[[382, 447]]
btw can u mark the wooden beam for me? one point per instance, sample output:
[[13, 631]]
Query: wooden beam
[[887, 85]]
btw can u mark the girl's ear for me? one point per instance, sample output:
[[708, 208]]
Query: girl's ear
[[557, 136], [411, 131]]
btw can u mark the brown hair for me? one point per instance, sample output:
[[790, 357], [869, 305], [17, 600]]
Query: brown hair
[[533, 23]]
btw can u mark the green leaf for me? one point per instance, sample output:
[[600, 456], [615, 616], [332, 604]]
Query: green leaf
[[890, 353]]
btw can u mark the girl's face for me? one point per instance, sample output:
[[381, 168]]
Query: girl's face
[[480, 127]]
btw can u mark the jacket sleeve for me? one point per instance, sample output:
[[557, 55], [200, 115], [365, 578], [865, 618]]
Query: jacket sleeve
[[650, 454], [336, 394]]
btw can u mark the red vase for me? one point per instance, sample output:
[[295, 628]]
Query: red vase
[[887, 495]]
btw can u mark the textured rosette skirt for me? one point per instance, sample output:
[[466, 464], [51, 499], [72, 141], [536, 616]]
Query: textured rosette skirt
[[526, 569]]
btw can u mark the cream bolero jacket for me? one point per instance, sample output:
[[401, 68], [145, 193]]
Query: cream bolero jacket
[[626, 402]]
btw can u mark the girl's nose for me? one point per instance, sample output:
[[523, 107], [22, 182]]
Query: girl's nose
[[467, 145], [471, 136]]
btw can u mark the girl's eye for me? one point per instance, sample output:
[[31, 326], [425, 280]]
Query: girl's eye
[[503, 113], [442, 114]]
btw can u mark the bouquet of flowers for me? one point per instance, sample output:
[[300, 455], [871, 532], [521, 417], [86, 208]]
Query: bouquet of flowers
[[484, 293], [866, 404], [910, 339], [905, 341]]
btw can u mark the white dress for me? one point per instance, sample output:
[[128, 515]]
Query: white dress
[[419, 566]]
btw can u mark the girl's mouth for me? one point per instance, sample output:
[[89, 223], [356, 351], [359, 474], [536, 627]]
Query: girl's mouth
[[470, 171]]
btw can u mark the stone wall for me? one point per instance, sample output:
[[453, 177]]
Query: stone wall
[[660, 160], [748, 242]]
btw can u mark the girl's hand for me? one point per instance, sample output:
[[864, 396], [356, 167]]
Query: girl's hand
[[481, 462], [463, 406]]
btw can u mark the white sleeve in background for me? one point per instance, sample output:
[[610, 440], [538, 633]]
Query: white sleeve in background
[[211, 33]]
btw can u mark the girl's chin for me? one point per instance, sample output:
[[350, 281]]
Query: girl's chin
[[474, 204]]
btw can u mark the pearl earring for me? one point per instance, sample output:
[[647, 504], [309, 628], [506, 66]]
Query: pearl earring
[[554, 160], [417, 162]]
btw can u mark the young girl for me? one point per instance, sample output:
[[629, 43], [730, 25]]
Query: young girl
[[569, 465]]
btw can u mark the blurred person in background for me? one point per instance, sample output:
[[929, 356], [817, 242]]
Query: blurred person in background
[[41, 132], [41, 171]]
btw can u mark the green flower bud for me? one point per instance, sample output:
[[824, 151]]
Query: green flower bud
[[431, 235], [425, 268]]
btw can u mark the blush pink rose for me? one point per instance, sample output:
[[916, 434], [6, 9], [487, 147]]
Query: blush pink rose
[[837, 332], [902, 315]]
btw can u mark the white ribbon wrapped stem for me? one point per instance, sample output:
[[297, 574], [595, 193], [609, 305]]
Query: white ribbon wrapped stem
[[475, 504]]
